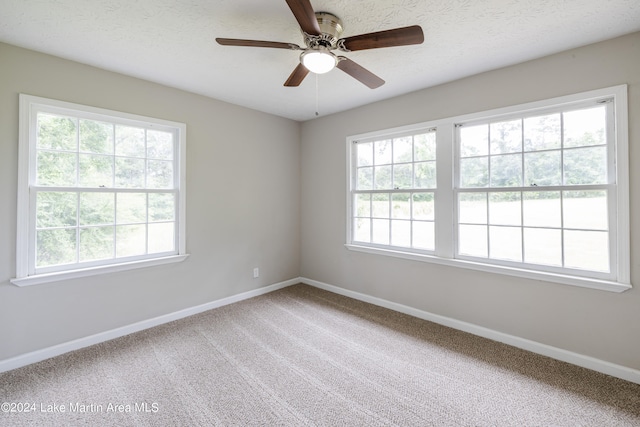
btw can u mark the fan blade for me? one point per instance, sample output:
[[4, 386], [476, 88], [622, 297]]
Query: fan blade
[[257, 43], [297, 76], [359, 73], [306, 17], [388, 38]]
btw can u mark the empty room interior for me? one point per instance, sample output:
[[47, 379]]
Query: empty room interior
[[200, 228]]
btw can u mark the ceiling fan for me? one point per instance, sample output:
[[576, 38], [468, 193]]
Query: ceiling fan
[[322, 31]]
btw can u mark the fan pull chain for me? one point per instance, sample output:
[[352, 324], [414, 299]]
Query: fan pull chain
[[317, 113]]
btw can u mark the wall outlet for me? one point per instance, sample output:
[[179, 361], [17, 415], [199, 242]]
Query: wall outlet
[[256, 273]]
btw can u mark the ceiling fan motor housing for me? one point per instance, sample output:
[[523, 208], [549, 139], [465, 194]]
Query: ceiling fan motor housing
[[331, 29]]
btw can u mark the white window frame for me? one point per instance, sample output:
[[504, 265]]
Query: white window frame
[[25, 235], [446, 193]]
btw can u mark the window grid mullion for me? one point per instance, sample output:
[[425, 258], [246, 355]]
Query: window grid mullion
[[562, 180], [523, 183], [487, 200], [562, 240], [77, 156], [77, 227], [115, 224], [146, 224], [113, 160], [522, 225]]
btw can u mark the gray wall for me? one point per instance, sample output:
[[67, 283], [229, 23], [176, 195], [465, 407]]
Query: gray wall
[[596, 323], [243, 206]]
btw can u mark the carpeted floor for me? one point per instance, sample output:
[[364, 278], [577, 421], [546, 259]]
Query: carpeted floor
[[302, 356]]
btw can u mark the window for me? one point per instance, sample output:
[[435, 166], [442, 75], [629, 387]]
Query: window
[[98, 191], [395, 179], [535, 189], [538, 190]]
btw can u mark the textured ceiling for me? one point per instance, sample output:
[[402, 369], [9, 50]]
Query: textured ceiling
[[172, 42]]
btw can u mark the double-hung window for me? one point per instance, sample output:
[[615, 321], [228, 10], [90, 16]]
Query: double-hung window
[[98, 191], [393, 195], [538, 190]]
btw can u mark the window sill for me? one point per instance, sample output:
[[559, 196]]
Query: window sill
[[584, 282], [94, 271]]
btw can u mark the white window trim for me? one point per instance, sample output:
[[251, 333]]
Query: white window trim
[[445, 225], [27, 105]]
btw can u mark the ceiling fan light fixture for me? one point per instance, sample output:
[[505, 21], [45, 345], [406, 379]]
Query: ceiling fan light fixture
[[318, 60]]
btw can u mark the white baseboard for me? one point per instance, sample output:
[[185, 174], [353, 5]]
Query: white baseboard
[[56, 350], [618, 371]]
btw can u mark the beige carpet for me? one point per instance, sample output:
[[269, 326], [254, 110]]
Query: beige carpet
[[302, 356]]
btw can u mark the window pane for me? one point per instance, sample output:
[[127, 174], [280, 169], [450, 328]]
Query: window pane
[[424, 147], [472, 240], [423, 206], [402, 150], [97, 208], [380, 205], [365, 179], [424, 235], [159, 145], [129, 173], [159, 174], [401, 206], [56, 209], [506, 170], [161, 237], [474, 141], [542, 209], [362, 205], [383, 177], [506, 137], [401, 233], [425, 175], [403, 176], [472, 208], [474, 172], [131, 208], [380, 231], [585, 166], [585, 210], [542, 133], [362, 232], [587, 250], [96, 137], [505, 243], [96, 170], [365, 153], [505, 208], [130, 240], [55, 247], [161, 207], [543, 246], [382, 152], [129, 141], [56, 169], [56, 132], [585, 127], [543, 168], [96, 243]]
